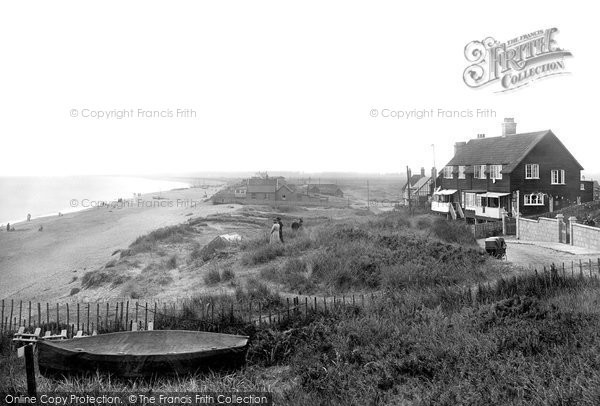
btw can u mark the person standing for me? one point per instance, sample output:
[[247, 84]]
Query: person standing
[[280, 229], [274, 236]]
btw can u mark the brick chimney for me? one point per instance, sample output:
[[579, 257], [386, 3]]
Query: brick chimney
[[509, 127], [433, 173], [480, 136], [458, 146], [422, 171]]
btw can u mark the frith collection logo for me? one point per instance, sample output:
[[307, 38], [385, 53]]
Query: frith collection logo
[[515, 63]]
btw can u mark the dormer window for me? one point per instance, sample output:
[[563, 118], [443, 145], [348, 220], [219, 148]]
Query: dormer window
[[448, 172], [479, 171]]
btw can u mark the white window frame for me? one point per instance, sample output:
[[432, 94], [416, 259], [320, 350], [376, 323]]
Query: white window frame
[[582, 186], [560, 176], [479, 170], [529, 201], [496, 172], [534, 171], [448, 172], [470, 200], [461, 172]]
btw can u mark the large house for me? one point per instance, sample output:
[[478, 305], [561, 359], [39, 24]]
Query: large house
[[529, 173]]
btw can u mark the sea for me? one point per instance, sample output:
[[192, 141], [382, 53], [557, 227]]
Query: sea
[[47, 196]]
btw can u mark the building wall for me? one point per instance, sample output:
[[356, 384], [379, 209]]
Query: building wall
[[542, 229], [585, 236], [549, 154]]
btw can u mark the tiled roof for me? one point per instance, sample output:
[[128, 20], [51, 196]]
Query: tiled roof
[[508, 151]]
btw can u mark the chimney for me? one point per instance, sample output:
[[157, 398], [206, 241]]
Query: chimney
[[433, 173], [422, 171], [509, 127], [480, 136], [458, 146]]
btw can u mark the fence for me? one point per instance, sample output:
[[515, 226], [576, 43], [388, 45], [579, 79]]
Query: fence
[[210, 315], [206, 315], [493, 228]]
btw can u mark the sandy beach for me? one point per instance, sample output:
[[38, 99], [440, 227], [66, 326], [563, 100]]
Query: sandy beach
[[40, 264]]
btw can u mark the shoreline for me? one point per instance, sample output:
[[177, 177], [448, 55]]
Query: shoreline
[[174, 185], [42, 265]]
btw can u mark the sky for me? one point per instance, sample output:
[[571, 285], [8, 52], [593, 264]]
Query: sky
[[272, 85]]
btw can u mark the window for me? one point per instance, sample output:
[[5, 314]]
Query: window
[[532, 171], [558, 177], [470, 200], [479, 171], [534, 199], [447, 172], [461, 172], [582, 186], [495, 171]]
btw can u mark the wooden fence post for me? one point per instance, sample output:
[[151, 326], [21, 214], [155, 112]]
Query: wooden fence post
[[127, 317], [11, 315], [106, 320], [121, 318], [2, 319], [580, 268], [20, 311], [146, 318], [57, 320], [68, 319], [98, 317], [47, 315], [117, 327], [78, 316], [30, 371], [39, 314]]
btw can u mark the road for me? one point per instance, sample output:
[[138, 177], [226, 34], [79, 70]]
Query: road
[[530, 254]]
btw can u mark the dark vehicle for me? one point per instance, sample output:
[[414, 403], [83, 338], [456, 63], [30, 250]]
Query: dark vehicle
[[143, 353], [496, 246]]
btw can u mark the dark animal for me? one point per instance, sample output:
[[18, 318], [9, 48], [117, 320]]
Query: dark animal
[[296, 225]]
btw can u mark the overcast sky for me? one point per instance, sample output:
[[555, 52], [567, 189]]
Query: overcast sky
[[274, 85]]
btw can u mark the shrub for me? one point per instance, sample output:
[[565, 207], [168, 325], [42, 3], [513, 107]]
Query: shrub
[[227, 274], [172, 262], [94, 279], [212, 277], [74, 291], [453, 231], [263, 254]]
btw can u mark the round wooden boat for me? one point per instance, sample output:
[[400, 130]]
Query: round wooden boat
[[143, 353]]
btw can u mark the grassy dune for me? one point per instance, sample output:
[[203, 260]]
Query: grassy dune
[[532, 339]]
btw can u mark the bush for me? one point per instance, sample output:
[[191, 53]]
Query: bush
[[263, 254], [212, 277], [453, 231], [74, 291], [227, 274], [172, 262]]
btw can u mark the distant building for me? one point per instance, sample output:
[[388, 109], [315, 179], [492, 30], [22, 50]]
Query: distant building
[[530, 173], [421, 188], [330, 189], [259, 190]]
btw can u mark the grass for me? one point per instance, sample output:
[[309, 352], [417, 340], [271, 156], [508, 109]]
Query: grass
[[521, 342], [166, 235]]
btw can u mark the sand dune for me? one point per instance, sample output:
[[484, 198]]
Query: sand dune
[[39, 265]]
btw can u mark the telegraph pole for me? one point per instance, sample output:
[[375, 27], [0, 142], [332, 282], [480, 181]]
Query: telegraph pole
[[408, 189]]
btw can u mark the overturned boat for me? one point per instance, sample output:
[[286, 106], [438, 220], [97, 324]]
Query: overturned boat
[[133, 354]]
